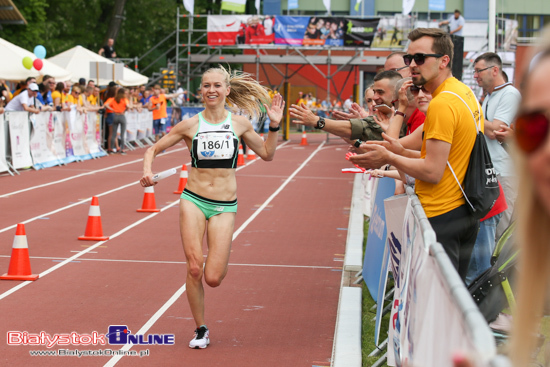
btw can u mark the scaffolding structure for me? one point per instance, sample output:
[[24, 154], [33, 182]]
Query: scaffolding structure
[[345, 58]]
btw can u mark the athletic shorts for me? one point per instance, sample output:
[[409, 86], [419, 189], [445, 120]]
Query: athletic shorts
[[210, 207], [159, 126]]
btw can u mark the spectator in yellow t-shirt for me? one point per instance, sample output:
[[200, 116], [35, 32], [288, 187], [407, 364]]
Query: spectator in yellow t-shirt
[[74, 99], [59, 97]]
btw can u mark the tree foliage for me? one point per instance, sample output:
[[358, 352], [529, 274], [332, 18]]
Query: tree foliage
[[59, 25]]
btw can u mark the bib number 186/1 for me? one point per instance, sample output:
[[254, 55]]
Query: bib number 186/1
[[215, 144]]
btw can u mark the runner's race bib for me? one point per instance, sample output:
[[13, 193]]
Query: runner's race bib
[[215, 145]]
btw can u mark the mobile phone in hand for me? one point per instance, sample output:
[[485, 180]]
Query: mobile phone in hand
[[384, 108]]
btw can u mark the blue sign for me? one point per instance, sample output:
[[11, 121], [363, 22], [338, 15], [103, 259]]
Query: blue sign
[[376, 240], [436, 5], [292, 4], [290, 30]]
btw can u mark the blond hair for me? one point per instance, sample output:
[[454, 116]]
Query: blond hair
[[246, 93], [534, 269]]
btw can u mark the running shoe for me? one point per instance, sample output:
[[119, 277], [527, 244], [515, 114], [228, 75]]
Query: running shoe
[[201, 339]]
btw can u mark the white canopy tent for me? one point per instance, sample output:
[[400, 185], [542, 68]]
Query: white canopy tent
[[77, 60], [11, 65]]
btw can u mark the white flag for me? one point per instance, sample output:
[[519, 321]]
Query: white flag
[[258, 6], [326, 3], [407, 6], [189, 6]]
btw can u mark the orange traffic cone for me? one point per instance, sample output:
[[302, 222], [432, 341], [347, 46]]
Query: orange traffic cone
[[149, 205], [240, 158], [304, 138], [94, 230], [183, 180], [20, 265], [251, 155]]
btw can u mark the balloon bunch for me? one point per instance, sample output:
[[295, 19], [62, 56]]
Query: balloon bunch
[[40, 53]]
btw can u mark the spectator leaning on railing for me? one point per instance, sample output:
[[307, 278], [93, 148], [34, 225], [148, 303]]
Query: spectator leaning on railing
[[26, 101], [449, 136]]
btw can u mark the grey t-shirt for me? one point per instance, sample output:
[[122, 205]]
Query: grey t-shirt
[[502, 105]]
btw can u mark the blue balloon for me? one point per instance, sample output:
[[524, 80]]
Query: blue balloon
[[40, 51]]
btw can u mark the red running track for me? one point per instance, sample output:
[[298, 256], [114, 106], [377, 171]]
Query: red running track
[[276, 307]]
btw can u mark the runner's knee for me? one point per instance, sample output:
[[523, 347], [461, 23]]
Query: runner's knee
[[213, 280]]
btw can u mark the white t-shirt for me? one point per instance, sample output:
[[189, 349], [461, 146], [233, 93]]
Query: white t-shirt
[[16, 104]]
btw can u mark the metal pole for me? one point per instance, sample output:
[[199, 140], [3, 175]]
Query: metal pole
[[189, 53], [177, 47], [492, 28]]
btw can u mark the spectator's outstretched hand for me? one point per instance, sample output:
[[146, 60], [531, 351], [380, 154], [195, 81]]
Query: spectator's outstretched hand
[[341, 115], [391, 144], [275, 112], [303, 115], [359, 110], [375, 156]]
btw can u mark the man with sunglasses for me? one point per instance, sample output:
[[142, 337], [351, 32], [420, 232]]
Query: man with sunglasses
[[449, 135], [395, 62], [500, 107]]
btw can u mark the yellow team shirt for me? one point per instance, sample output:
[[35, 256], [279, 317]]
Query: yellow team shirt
[[92, 99], [62, 97], [72, 100], [448, 119]]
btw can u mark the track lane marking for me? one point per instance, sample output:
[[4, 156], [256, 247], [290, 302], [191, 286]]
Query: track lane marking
[[183, 262], [84, 174]]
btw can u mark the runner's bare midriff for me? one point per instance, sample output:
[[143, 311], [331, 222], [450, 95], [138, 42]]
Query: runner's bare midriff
[[213, 183]]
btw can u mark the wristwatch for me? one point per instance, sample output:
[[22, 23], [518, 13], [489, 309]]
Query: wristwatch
[[320, 123], [274, 129], [400, 114]]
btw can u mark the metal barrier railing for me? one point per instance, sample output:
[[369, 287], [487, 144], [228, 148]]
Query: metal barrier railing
[[481, 335]]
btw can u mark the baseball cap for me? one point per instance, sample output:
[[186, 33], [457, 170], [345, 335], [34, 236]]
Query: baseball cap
[[33, 87]]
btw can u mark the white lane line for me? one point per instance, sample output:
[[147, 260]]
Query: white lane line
[[184, 262], [180, 291], [83, 201], [287, 181], [84, 174], [76, 256], [149, 323]]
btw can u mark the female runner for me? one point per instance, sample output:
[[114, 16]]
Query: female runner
[[209, 200]]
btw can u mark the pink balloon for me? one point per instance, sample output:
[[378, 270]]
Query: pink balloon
[[37, 63]]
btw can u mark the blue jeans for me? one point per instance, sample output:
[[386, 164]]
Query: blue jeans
[[483, 248]]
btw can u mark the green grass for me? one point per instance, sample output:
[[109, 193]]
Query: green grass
[[367, 315]]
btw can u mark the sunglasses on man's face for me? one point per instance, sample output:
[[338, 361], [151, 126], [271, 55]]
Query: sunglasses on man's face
[[419, 59], [417, 88], [531, 130]]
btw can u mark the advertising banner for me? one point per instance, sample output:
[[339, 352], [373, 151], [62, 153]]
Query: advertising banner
[[3, 161], [76, 134], [377, 236], [287, 30], [392, 32], [394, 207], [19, 139], [223, 30], [426, 326], [42, 137], [132, 125]]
